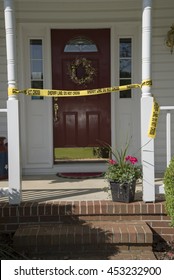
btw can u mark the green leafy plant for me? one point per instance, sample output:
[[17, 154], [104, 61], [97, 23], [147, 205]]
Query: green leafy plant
[[123, 168], [169, 190], [101, 152]]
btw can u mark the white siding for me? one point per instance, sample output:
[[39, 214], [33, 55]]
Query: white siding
[[75, 11], [163, 74], [3, 75], [58, 13]]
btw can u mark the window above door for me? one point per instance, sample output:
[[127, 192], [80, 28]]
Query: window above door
[[80, 44]]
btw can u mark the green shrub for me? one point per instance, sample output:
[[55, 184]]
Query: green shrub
[[169, 190], [101, 152]]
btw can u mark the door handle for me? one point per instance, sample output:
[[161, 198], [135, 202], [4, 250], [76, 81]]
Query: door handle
[[56, 109]]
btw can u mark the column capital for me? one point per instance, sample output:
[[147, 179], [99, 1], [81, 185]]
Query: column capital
[[146, 45], [10, 43]]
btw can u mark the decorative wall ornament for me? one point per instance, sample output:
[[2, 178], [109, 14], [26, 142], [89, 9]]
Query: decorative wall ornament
[[170, 38], [81, 71]]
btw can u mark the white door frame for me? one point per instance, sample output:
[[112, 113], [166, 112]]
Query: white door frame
[[27, 31]]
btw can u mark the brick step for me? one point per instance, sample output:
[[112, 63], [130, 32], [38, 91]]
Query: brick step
[[154, 214], [84, 236]]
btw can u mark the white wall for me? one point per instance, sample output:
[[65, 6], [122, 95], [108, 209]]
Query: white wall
[[98, 14]]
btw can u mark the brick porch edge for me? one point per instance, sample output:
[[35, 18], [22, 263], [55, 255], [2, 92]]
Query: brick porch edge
[[153, 214]]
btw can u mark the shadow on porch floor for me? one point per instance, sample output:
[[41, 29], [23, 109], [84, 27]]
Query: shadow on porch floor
[[51, 188]]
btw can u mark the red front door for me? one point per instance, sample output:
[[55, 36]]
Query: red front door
[[81, 60]]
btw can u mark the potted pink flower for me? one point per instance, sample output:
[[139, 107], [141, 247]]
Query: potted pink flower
[[122, 173]]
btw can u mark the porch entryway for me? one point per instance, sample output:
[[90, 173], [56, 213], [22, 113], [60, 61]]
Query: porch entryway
[[80, 60], [77, 218]]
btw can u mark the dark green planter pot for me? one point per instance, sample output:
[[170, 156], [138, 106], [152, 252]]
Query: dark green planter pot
[[123, 192]]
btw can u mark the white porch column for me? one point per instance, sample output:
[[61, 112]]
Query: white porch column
[[14, 168], [146, 106]]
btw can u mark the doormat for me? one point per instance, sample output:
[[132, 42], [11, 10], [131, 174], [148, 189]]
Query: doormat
[[81, 175]]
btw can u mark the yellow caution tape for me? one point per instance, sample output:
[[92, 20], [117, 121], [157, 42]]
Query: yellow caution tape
[[74, 93], [90, 92], [154, 120]]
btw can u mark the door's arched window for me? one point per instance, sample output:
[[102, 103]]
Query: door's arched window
[[80, 44]]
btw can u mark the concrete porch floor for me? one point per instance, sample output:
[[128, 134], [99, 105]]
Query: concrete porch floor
[[51, 188]]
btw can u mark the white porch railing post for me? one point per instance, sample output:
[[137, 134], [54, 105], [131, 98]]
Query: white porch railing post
[[168, 132], [14, 166], [168, 137], [146, 106]]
